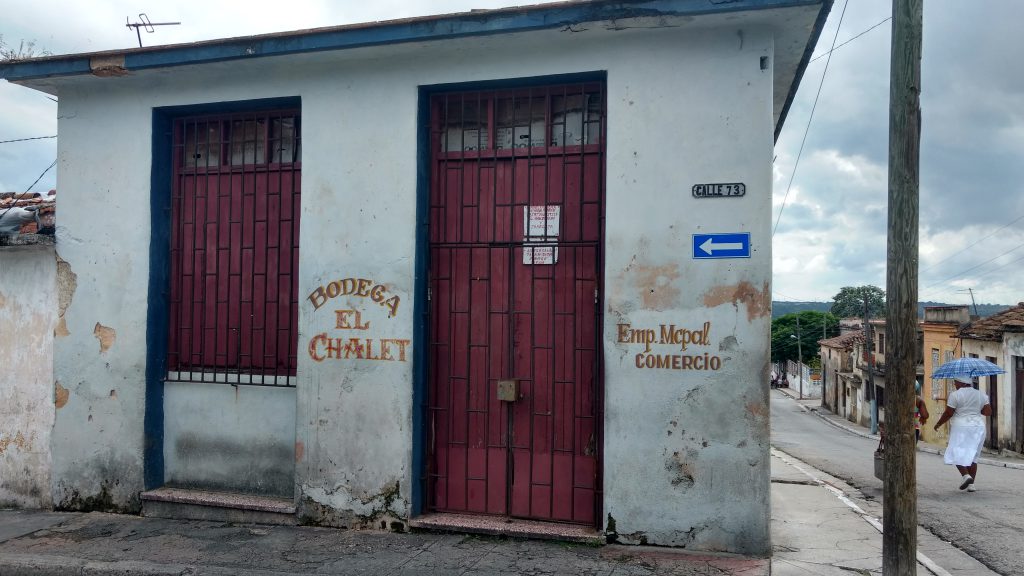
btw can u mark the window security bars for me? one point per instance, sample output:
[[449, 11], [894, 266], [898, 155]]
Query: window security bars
[[234, 249]]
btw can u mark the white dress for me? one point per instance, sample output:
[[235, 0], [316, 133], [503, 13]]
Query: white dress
[[967, 426]]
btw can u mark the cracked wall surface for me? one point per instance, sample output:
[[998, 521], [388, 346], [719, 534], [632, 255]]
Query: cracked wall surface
[[28, 301]]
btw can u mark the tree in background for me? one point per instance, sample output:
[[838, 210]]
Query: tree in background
[[785, 334], [849, 302]]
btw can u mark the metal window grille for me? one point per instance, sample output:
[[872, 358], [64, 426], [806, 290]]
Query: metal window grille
[[235, 249]]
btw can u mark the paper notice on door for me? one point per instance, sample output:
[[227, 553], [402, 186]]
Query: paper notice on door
[[541, 222], [538, 254], [540, 229]]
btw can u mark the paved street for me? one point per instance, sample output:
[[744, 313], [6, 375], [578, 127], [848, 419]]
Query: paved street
[[987, 524]]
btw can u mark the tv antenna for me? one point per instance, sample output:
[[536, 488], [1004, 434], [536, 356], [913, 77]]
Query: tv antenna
[[971, 292], [145, 24]]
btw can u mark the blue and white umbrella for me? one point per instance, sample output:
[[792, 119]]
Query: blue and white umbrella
[[966, 367]]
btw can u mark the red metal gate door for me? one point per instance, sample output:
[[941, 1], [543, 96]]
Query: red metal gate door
[[515, 250]]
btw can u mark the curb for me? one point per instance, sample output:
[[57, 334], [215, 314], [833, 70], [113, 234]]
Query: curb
[[927, 449], [37, 565]]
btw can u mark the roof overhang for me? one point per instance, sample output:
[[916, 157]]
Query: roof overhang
[[797, 24]]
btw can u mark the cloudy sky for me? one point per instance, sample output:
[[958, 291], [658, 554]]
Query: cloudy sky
[[832, 230]]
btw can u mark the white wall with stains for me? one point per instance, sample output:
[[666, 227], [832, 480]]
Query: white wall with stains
[[28, 303], [685, 452]]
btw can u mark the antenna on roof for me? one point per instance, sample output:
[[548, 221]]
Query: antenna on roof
[[971, 292], [144, 23]]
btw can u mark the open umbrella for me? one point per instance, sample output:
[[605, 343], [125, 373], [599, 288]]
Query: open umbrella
[[968, 367]]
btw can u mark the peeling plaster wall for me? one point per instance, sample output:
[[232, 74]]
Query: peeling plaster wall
[[686, 452], [28, 301], [1003, 352]]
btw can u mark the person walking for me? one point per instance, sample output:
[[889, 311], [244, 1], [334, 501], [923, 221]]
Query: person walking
[[920, 412], [965, 409]]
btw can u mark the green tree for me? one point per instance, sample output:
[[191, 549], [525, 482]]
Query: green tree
[[849, 302], [785, 334]]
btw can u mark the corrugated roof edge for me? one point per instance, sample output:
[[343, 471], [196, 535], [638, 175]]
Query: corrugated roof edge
[[436, 27]]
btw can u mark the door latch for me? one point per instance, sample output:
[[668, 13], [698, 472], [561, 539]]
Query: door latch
[[508, 390]]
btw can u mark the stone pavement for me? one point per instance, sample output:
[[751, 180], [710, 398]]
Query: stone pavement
[[990, 458], [820, 525]]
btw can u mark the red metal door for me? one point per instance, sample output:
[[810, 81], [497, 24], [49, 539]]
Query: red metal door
[[515, 253]]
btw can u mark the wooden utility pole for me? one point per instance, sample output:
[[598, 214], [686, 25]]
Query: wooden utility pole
[[899, 518]]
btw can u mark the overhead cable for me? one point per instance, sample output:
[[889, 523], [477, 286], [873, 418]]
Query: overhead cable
[[809, 119]]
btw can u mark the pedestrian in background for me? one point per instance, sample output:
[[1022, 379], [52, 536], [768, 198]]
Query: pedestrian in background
[[965, 409], [920, 412]]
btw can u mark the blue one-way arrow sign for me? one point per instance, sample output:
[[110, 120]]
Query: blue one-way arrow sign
[[734, 245]]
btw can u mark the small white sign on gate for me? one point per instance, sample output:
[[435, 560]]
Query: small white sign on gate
[[541, 222], [540, 228], [533, 254]]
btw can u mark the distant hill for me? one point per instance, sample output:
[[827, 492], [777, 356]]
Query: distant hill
[[780, 308]]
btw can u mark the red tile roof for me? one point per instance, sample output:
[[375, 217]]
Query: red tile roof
[[992, 327], [844, 341]]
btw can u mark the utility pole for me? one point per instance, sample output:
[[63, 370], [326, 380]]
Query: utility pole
[[869, 360], [899, 515], [800, 357]]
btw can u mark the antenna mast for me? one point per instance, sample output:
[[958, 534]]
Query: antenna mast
[[145, 24]]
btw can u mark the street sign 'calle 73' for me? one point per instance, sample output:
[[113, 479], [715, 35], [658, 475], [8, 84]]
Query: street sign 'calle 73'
[[731, 245]]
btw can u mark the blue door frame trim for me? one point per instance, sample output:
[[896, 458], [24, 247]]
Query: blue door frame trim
[[421, 311], [161, 183]]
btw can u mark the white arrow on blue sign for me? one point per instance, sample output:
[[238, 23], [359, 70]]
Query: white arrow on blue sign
[[732, 245]]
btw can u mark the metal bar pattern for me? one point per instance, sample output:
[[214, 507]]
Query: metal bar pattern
[[235, 249], [516, 226]]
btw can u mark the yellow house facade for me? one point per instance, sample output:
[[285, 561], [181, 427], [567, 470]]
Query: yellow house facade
[[939, 329]]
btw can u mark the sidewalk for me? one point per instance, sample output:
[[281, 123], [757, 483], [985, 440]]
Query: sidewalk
[[819, 525], [814, 405]]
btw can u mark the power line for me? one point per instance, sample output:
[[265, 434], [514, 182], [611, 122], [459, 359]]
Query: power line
[[974, 244], [983, 274], [850, 40], [809, 119], [54, 163], [27, 139], [959, 274]]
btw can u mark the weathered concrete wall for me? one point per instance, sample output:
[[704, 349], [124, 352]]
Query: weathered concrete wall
[[1009, 418], [1005, 404], [28, 305], [686, 451], [230, 438]]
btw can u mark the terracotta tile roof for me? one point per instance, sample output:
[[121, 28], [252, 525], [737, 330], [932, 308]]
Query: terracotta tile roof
[[31, 208], [843, 341], [992, 327]]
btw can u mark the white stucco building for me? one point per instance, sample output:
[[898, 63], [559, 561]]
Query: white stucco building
[[505, 264]]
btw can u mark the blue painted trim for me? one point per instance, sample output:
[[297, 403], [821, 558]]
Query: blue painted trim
[[161, 182], [501, 21], [420, 308], [156, 320]]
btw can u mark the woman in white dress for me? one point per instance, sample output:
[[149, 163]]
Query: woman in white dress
[[965, 409]]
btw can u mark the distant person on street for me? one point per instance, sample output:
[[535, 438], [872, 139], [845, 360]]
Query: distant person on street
[[965, 409], [920, 412]]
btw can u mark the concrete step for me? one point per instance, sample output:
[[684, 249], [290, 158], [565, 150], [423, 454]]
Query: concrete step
[[504, 526], [185, 504]]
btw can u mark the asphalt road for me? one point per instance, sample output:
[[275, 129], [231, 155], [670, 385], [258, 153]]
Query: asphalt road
[[987, 524]]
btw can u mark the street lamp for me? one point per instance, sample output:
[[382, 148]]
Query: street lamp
[[800, 356]]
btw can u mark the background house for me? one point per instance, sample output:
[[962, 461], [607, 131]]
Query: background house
[[999, 338]]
